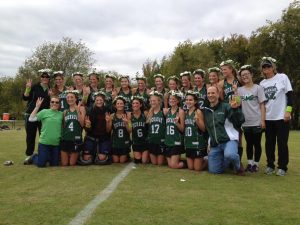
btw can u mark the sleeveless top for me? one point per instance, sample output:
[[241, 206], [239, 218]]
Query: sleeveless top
[[202, 97], [120, 135], [193, 136], [128, 99], [139, 130], [72, 130], [156, 129], [173, 137], [228, 91]]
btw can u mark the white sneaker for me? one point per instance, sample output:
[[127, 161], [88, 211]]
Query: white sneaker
[[269, 171], [281, 172]]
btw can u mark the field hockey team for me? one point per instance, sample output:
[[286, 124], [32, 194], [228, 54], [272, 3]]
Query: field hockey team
[[203, 121]]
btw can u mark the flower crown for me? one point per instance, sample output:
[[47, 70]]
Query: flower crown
[[110, 76], [75, 92], [266, 58], [159, 75], [99, 93], [156, 93], [214, 69], [199, 71], [173, 78], [193, 93], [177, 94], [119, 97], [186, 73]]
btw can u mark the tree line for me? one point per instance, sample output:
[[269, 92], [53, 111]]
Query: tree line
[[280, 39]]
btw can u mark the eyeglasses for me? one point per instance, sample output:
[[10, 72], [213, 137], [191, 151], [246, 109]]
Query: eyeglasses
[[54, 102], [245, 74], [45, 77]]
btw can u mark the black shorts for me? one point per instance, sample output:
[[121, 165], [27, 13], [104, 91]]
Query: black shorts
[[71, 146], [194, 153], [120, 151], [174, 150], [140, 148], [156, 149]]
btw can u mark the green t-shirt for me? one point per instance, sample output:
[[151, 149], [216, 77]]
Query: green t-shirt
[[51, 126]]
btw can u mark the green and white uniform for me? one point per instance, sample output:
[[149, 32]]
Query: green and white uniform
[[156, 129], [193, 136], [139, 130], [173, 137], [120, 135], [228, 91], [63, 100], [128, 100], [72, 130], [202, 97], [145, 97], [108, 100]]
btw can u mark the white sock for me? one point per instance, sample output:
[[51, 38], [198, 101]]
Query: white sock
[[256, 163], [250, 162]]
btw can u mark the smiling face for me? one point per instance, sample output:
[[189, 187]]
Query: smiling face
[[158, 83], [213, 77], [120, 105], [54, 103], [109, 83], [141, 85], [93, 81], [198, 80], [99, 101], [213, 95], [173, 101], [268, 71], [246, 76], [71, 99], [59, 81], [45, 79], [185, 81], [190, 101], [78, 80], [136, 105], [227, 71], [172, 85], [155, 101], [124, 83]]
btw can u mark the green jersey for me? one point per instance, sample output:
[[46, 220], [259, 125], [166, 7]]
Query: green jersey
[[128, 100], [139, 130], [71, 127], [51, 126], [173, 136], [120, 135], [202, 96], [156, 129], [108, 100], [228, 91], [63, 100], [145, 97], [193, 137]]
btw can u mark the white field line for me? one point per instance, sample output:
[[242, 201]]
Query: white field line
[[87, 211]]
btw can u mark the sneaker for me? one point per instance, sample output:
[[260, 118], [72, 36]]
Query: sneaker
[[269, 171], [281, 172], [28, 160], [254, 169], [249, 168]]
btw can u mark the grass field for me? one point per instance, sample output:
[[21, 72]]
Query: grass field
[[148, 195]]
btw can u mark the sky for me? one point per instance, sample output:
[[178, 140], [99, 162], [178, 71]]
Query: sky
[[123, 34]]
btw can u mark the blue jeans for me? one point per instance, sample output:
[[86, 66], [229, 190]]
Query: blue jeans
[[46, 153], [220, 156]]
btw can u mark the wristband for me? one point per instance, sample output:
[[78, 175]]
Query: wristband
[[84, 98], [27, 90], [289, 109], [129, 125]]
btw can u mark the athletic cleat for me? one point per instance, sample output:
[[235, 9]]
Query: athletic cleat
[[269, 171], [249, 168], [28, 160], [281, 172], [254, 169]]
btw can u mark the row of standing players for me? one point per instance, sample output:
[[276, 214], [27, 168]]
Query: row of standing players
[[162, 123]]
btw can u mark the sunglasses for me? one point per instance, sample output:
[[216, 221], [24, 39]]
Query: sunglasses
[[45, 77], [54, 102]]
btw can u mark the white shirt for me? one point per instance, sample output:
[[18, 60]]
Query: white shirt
[[275, 89]]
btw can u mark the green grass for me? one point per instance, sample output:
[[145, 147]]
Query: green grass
[[148, 195]]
